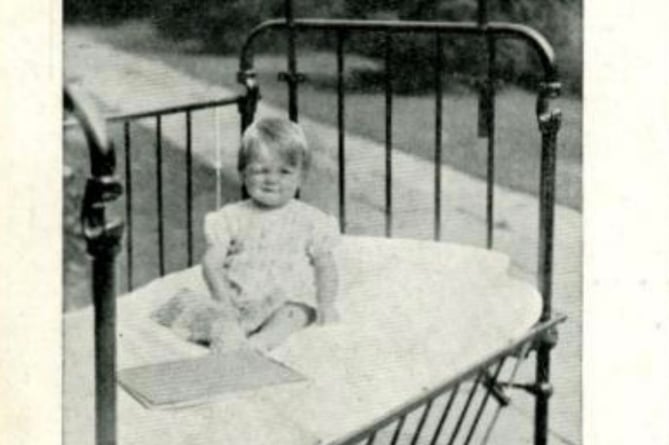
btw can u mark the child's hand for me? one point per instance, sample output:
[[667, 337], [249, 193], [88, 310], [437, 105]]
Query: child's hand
[[327, 313]]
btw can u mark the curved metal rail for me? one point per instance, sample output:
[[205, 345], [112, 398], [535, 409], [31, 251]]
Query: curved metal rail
[[525, 33]]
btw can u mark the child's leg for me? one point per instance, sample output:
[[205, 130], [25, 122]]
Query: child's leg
[[289, 318]]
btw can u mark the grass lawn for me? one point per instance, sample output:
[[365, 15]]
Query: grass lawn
[[517, 141]]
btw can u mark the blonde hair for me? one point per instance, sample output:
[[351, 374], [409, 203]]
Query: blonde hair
[[281, 136]]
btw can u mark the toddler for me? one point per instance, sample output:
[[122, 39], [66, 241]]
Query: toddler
[[269, 264]]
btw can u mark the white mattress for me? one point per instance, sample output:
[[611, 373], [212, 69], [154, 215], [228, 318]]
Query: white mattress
[[414, 314]]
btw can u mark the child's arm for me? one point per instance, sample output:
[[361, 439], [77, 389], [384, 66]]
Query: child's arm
[[212, 266], [327, 282]]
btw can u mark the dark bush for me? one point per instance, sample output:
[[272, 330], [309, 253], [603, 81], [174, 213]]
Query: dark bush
[[464, 58], [104, 11], [222, 25]]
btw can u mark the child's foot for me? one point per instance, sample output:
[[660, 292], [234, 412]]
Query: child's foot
[[227, 336], [280, 325]]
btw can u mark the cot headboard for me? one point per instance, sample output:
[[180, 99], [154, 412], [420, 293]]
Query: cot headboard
[[103, 188], [548, 119]]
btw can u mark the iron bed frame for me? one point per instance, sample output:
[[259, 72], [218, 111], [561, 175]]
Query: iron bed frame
[[103, 234]]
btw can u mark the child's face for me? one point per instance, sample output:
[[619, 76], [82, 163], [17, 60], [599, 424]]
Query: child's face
[[269, 180]]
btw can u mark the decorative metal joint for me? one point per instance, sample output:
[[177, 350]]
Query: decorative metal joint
[[550, 90], [548, 338], [103, 238], [247, 78], [496, 389], [291, 78], [550, 122], [547, 92], [248, 103], [544, 389]]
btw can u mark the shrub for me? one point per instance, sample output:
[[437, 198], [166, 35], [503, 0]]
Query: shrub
[[464, 58], [104, 11], [222, 25]]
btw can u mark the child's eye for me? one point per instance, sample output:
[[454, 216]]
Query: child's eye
[[286, 171]]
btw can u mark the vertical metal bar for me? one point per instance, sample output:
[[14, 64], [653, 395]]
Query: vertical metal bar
[[547, 203], [421, 422], [483, 404], [549, 123], [439, 54], [341, 116], [444, 415], [389, 133], [189, 187], [482, 12], [490, 130], [248, 103], [159, 193], [541, 403], [219, 159], [463, 414], [128, 202], [398, 430], [292, 62], [105, 349]]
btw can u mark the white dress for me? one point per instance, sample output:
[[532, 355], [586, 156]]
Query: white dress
[[269, 262]]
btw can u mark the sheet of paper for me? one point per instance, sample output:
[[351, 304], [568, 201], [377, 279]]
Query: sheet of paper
[[203, 379]]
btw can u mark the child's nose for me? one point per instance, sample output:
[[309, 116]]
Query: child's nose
[[272, 177]]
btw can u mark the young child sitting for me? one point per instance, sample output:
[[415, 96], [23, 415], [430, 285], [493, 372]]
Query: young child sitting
[[269, 264]]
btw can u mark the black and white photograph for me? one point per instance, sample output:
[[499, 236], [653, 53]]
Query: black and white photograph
[[294, 222]]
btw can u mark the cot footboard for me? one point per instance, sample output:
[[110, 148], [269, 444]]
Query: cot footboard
[[463, 409]]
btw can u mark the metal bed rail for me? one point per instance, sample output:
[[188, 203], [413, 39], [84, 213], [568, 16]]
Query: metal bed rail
[[103, 232], [156, 117], [486, 376]]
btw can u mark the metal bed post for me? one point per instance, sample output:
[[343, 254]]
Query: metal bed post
[[549, 124], [103, 238], [487, 118], [292, 77], [341, 140], [247, 103]]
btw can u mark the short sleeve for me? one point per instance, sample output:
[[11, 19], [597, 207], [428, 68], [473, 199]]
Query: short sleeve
[[325, 236], [216, 229]]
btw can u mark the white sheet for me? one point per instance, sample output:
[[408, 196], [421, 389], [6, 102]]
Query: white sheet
[[415, 313]]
